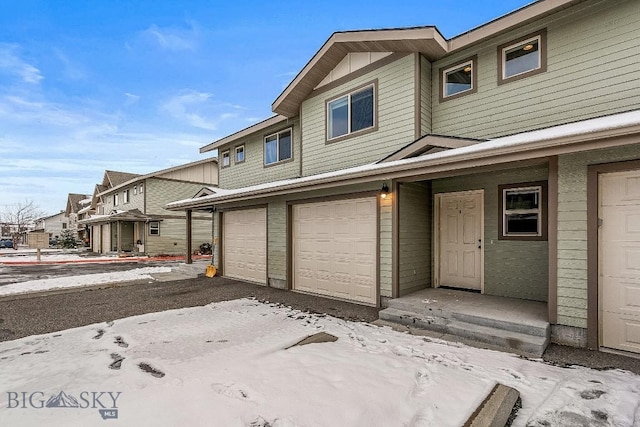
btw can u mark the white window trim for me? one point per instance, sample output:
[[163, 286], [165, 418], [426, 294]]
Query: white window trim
[[505, 211], [126, 197], [348, 96], [116, 199], [277, 134], [154, 228], [141, 188], [244, 154], [518, 44], [470, 62], [228, 157]]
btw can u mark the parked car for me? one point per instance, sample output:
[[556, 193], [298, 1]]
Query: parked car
[[53, 242], [6, 242]]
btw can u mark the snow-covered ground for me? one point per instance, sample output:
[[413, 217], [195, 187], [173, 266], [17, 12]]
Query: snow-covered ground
[[81, 281], [226, 364], [24, 255]]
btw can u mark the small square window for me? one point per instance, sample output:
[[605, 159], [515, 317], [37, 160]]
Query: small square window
[[240, 154], [458, 80], [278, 147], [522, 58], [351, 113], [226, 160], [154, 228], [523, 212]]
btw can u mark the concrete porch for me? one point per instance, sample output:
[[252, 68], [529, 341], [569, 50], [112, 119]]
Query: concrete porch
[[507, 324]]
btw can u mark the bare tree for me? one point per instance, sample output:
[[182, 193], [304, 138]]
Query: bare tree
[[18, 217]]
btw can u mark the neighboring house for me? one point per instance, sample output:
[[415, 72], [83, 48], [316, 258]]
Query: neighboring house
[[127, 214], [505, 161], [76, 203], [52, 224]]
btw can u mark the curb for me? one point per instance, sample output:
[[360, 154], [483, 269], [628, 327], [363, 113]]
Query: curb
[[105, 260], [496, 409]]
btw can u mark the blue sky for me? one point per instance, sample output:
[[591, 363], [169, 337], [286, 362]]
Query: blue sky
[[139, 86]]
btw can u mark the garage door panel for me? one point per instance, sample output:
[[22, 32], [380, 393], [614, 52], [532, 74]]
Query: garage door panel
[[245, 244], [619, 260], [340, 236]]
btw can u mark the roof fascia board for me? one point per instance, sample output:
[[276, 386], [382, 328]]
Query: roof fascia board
[[550, 147], [244, 132], [506, 22]]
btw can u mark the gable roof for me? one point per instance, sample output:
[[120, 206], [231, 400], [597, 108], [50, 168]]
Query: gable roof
[[427, 144], [244, 132], [425, 40], [115, 178], [73, 202]]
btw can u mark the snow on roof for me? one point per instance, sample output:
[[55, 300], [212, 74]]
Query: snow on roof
[[482, 149]]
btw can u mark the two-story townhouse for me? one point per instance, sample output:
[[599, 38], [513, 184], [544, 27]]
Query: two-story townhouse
[[75, 204], [504, 161], [130, 214], [52, 224]]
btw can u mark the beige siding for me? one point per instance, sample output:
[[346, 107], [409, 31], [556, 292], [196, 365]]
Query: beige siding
[[205, 173], [592, 71], [159, 192], [425, 96], [173, 237], [517, 269], [396, 121], [386, 237], [572, 229], [277, 239], [414, 237], [253, 171], [136, 201]]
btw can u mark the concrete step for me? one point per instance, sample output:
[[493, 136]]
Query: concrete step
[[487, 332], [535, 328]]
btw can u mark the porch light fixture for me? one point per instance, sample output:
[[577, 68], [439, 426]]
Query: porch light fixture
[[384, 192]]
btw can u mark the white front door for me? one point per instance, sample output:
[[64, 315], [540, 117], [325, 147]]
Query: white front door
[[619, 260], [460, 239]]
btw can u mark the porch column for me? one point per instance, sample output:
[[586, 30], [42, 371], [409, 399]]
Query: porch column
[[189, 237], [118, 234]]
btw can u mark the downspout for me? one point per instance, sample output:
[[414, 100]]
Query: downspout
[[189, 259]]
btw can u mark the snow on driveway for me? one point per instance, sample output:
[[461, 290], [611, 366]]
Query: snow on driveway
[[226, 364], [67, 282]]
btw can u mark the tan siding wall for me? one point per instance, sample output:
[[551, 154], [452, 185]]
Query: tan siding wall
[[425, 96], [592, 71], [206, 173], [252, 171], [572, 229], [159, 192], [517, 269], [386, 252], [415, 218], [396, 119], [173, 240], [277, 239], [136, 201]]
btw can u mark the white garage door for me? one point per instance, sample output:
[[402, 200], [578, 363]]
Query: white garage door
[[334, 249], [244, 243], [619, 254]]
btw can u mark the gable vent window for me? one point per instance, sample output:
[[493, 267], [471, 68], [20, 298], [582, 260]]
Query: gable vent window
[[351, 113]]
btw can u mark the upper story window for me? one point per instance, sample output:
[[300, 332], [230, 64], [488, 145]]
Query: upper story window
[[240, 154], [141, 188], [278, 147], [125, 196], [226, 159], [522, 58], [115, 199], [135, 190], [458, 79], [352, 112], [523, 217]]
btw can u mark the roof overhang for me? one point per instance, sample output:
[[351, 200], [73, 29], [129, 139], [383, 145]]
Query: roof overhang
[[604, 132], [425, 40], [244, 132]]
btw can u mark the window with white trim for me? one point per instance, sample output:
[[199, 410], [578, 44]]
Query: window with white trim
[[125, 196], [226, 160], [523, 215], [240, 154], [115, 199], [278, 147], [154, 228], [135, 190], [351, 113], [459, 79], [522, 58], [141, 188]]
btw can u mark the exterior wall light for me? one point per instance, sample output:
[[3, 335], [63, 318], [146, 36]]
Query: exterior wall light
[[384, 192]]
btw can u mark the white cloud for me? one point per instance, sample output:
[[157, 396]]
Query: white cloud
[[185, 107], [12, 63], [131, 98], [173, 39]]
